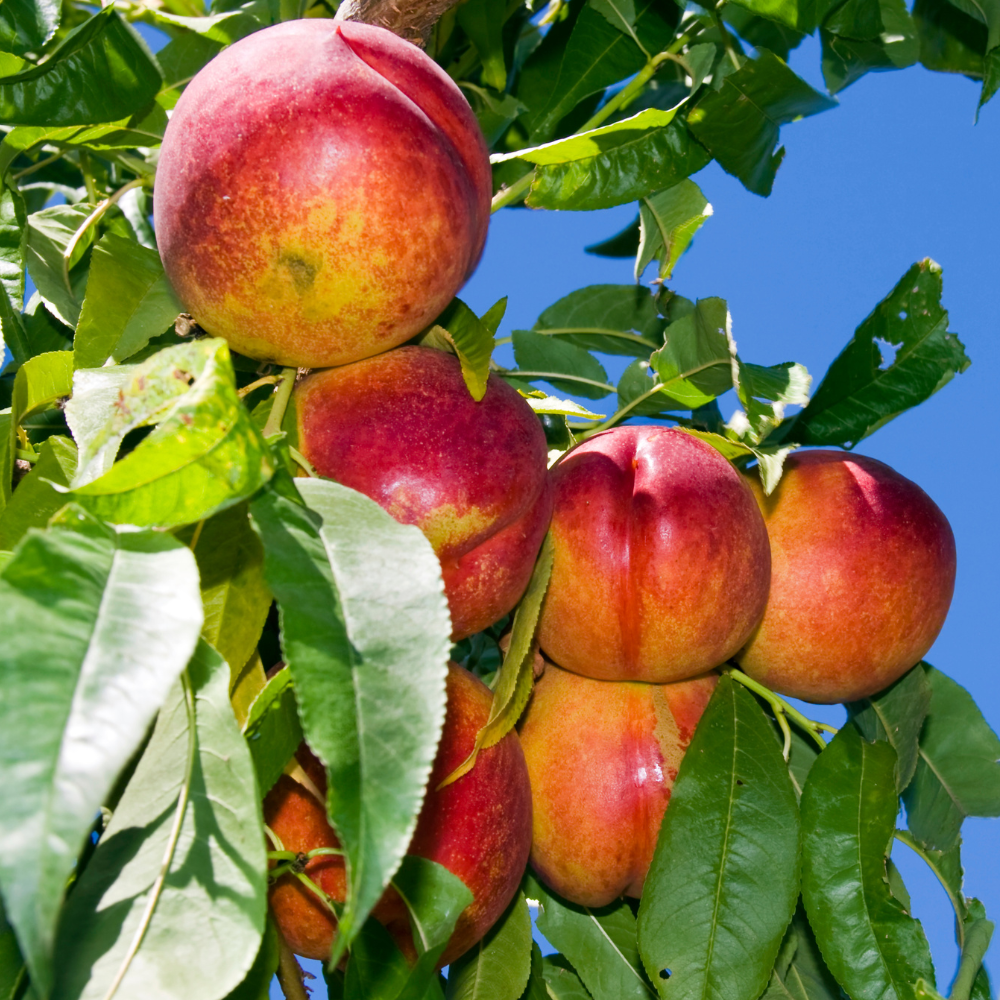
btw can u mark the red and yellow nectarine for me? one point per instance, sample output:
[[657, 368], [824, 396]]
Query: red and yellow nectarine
[[602, 757], [402, 429], [478, 827], [323, 191], [661, 560], [862, 573]]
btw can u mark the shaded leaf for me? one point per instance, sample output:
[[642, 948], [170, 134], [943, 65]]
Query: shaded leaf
[[272, 729], [25, 26], [619, 14], [496, 968], [581, 56], [514, 682], [482, 21], [562, 364], [600, 943], [34, 500], [896, 47], [957, 772], [371, 699], [624, 243], [234, 594], [860, 20], [634, 165], [206, 919], [48, 236], [947, 867], [561, 981], [97, 626], [724, 879], [257, 984], [668, 221], [128, 301], [740, 122], [204, 455], [868, 941], [613, 319], [762, 32], [897, 715], [861, 393], [950, 41], [60, 90], [803, 976]]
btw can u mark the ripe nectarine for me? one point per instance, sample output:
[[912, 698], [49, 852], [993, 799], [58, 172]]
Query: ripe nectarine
[[862, 573], [479, 828], [322, 192]]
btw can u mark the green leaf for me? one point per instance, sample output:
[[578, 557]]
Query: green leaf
[[128, 301], [12, 968], [34, 500], [482, 21], [860, 393], [985, 11], [639, 392], [613, 319], [764, 393], [542, 403], [191, 808], [667, 224], [592, 143], [272, 729], [460, 330], [537, 988], [957, 773], [205, 454], [897, 715], [561, 982], [624, 243], [12, 241], [516, 677], [859, 20], [803, 16], [25, 26], [61, 91], [371, 699], [869, 943], [761, 32], [947, 867], [97, 626], [580, 57], [802, 976], [740, 122], [234, 594], [632, 164], [896, 47], [49, 234], [562, 364], [950, 41], [620, 14], [600, 943], [496, 968], [724, 878], [697, 359]]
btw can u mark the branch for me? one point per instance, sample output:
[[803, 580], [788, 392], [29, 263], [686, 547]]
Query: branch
[[410, 19]]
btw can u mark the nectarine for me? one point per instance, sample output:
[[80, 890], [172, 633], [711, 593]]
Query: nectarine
[[322, 192], [479, 828], [862, 573], [661, 560], [602, 757], [402, 429]]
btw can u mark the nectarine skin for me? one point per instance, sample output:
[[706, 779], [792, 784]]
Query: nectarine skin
[[478, 827], [661, 559], [323, 191], [402, 429], [862, 574], [602, 757]]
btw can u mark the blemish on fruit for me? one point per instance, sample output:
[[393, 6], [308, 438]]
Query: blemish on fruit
[[303, 273]]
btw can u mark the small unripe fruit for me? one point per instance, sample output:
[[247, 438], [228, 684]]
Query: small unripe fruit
[[602, 757], [661, 560], [862, 574]]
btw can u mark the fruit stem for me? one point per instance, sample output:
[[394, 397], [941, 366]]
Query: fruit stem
[[782, 712], [266, 380], [303, 462], [281, 397], [290, 972]]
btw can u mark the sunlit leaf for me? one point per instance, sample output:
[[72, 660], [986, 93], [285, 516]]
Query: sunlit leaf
[[668, 221], [272, 729], [97, 626]]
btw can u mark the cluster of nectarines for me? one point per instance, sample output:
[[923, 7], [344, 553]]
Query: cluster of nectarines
[[668, 562]]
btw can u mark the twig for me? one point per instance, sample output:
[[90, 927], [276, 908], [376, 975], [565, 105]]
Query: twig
[[281, 398]]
